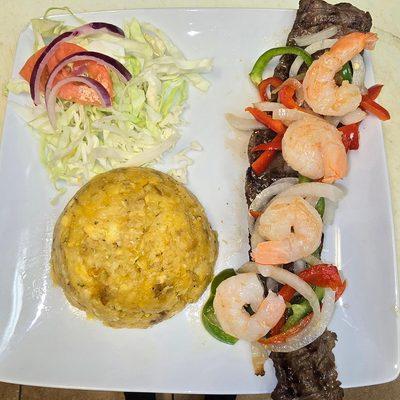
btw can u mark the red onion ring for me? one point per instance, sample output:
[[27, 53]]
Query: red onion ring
[[93, 27], [92, 83], [99, 58]]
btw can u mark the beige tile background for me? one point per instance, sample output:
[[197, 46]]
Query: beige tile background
[[15, 15]]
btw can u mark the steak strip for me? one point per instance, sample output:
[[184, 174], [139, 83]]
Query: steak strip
[[308, 373]]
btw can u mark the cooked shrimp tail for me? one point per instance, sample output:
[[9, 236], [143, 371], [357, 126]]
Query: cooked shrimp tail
[[320, 90], [245, 289], [292, 229], [314, 148]]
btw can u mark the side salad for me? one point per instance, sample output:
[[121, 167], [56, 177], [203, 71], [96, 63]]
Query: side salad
[[104, 97]]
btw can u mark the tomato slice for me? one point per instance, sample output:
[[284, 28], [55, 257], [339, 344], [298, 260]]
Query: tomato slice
[[26, 70], [77, 93]]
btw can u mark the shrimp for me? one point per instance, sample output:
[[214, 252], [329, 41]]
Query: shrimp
[[320, 90], [292, 228], [314, 148], [245, 289]]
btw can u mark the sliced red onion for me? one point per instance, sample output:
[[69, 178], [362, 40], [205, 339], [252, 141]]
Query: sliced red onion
[[92, 83], [326, 33], [313, 330], [353, 117], [311, 49], [88, 29], [99, 58], [243, 124]]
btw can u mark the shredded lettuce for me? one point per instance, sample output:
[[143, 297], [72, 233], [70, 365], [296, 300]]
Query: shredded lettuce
[[16, 86], [143, 121]]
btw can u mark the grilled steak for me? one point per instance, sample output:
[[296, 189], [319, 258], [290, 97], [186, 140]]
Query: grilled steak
[[316, 15], [308, 373]]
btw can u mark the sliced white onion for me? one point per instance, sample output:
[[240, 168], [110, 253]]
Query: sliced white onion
[[329, 212], [311, 49], [259, 354], [316, 189], [353, 117], [358, 65], [268, 106], [312, 260], [332, 120], [290, 179], [288, 278], [248, 267], [272, 284], [326, 33], [262, 199], [299, 266], [313, 330], [287, 116], [312, 200], [243, 124]]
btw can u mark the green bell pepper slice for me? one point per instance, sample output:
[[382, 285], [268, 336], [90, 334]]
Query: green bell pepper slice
[[301, 310], [208, 316], [262, 62]]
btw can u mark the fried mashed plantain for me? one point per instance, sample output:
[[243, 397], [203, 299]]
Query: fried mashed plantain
[[132, 248]]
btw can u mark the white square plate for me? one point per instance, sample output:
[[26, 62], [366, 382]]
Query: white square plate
[[44, 341]]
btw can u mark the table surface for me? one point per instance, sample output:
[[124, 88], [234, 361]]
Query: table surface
[[15, 16]]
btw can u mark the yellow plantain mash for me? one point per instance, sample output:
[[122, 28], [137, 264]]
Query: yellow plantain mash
[[132, 248]]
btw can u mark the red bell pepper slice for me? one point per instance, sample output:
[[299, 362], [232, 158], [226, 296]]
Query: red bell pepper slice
[[278, 327], [350, 136], [263, 86], [323, 275], [269, 146], [286, 95], [282, 337], [367, 104], [374, 91], [262, 162], [255, 214], [273, 124]]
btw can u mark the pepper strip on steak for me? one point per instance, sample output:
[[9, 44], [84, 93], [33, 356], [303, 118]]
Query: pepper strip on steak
[[308, 373]]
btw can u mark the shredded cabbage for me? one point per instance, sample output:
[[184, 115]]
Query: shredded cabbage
[[145, 115]]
